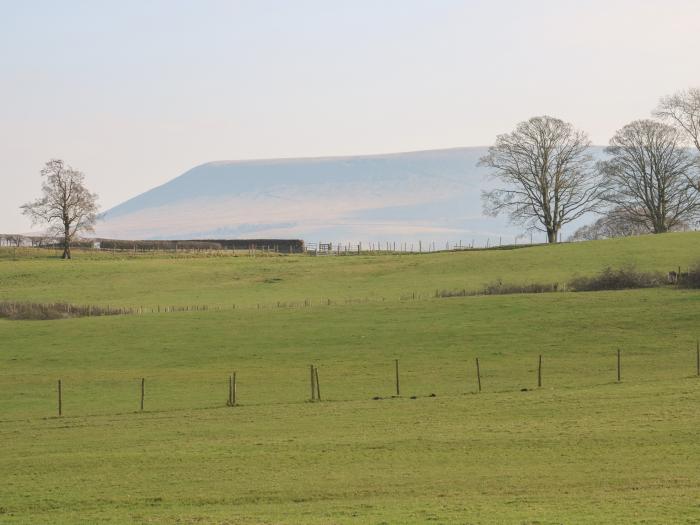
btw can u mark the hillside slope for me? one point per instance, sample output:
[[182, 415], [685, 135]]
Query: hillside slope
[[425, 195]]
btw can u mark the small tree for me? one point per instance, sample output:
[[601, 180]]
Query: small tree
[[649, 176], [66, 206], [546, 173]]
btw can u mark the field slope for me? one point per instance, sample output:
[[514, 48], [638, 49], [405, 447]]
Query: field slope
[[583, 448]]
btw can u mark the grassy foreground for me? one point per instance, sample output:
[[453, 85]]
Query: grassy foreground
[[581, 449]]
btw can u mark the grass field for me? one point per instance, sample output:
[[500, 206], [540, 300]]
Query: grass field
[[144, 280], [581, 449]]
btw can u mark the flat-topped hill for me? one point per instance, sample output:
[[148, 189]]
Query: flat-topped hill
[[424, 195]]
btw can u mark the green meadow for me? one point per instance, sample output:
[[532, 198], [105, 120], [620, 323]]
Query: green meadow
[[188, 279], [582, 448]]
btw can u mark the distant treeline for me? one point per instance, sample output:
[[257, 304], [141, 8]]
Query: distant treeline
[[271, 245], [274, 245]]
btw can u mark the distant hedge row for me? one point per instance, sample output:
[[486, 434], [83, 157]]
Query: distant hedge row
[[277, 245], [47, 311]]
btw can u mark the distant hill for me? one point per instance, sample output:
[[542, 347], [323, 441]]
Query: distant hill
[[424, 195]]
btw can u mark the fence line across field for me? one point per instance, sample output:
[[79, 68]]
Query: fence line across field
[[29, 310], [9, 308], [408, 247], [253, 248], [315, 388]]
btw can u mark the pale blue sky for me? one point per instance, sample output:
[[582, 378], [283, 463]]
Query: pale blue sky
[[136, 92]]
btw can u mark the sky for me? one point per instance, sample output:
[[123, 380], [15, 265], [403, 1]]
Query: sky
[[136, 92]]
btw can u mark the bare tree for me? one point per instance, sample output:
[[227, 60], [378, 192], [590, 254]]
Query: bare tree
[[682, 110], [66, 205], [649, 176], [15, 240], [547, 176]]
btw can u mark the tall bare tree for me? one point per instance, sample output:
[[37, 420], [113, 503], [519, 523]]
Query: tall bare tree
[[66, 205], [649, 176], [682, 110], [546, 173]]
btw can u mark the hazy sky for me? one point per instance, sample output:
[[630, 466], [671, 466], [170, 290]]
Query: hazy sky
[[136, 92]]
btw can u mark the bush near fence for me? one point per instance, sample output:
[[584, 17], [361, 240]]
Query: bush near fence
[[617, 279], [691, 279], [18, 311]]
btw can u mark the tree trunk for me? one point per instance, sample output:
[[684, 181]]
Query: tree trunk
[[660, 227], [551, 235], [66, 246]]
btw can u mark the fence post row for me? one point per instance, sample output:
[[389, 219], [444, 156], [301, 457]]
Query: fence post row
[[315, 384]]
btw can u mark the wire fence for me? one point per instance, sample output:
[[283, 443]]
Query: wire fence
[[412, 247], [18, 246], [78, 394]]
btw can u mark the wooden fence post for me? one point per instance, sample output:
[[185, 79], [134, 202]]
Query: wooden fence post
[[60, 399], [539, 372], [143, 391], [396, 363], [478, 374], [318, 385], [232, 390], [618, 365]]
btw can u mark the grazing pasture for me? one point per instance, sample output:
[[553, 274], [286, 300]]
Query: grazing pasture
[[150, 280], [583, 448]]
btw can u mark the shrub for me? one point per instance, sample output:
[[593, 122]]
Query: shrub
[[498, 288], [690, 279], [616, 279], [42, 312], [454, 293]]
